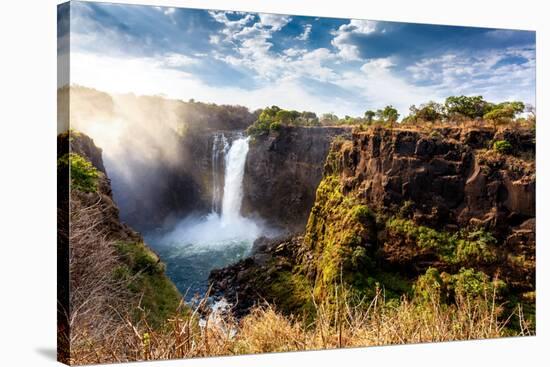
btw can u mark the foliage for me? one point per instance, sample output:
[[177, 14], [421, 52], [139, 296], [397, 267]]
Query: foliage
[[388, 114], [504, 112], [329, 119], [84, 176], [273, 118], [429, 286], [369, 115], [338, 232], [144, 273], [462, 247], [470, 107], [428, 112], [275, 126], [502, 146], [346, 323]]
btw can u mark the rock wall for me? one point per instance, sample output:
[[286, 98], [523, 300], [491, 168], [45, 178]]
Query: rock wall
[[283, 170], [159, 192], [448, 180], [394, 203]]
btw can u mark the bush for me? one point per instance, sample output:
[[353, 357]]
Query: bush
[[275, 126], [502, 146], [462, 247], [84, 175]]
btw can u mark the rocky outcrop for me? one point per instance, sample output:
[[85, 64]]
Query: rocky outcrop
[[394, 203], [448, 180], [104, 267], [283, 170]]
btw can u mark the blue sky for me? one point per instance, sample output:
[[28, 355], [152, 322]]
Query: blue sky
[[306, 63]]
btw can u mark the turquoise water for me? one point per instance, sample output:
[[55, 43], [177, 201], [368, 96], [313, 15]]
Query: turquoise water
[[189, 265]]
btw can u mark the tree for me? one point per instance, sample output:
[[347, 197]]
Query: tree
[[427, 112], [309, 118], [388, 114], [329, 118], [369, 115], [470, 107], [285, 117], [504, 112]]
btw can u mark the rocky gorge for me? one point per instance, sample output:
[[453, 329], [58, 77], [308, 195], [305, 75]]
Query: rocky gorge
[[396, 204]]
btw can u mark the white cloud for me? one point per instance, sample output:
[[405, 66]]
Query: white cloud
[[276, 22], [149, 76], [374, 66], [342, 42], [485, 73], [178, 60], [305, 35], [251, 42]]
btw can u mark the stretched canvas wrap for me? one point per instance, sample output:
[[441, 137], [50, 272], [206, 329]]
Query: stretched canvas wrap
[[237, 183]]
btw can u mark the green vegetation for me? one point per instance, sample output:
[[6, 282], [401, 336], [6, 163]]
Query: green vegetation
[[369, 115], [272, 118], [462, 108], [504, 112], [469, 107], [338, 232], [387, 115], [84, 176], [467, 283], [144, 273], [291, 291], [462, 247], [502, 146], [429, 112], [454, 109]]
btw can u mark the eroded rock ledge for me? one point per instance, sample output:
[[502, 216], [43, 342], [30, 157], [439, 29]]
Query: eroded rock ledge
[[394, 203]]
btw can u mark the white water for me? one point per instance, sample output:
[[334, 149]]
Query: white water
[[220, 145], [233, 187], [228, 228], [199, 244]]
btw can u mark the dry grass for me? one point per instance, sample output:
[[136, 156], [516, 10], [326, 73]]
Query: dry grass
[[377, 322], [96, 297]]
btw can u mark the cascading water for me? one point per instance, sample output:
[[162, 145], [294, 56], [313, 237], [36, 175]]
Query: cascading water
[[198, 245], [220, 145], [233, 187]]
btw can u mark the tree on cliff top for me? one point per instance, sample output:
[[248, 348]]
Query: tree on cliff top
[[389, 114], [470, 107]]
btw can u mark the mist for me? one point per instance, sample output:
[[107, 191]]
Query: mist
[[150, 146]]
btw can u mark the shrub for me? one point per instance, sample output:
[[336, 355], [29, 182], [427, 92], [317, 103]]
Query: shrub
[[275, 126], [84, 176], [502, 146], [462, 247], [429, 286], [469, 283]]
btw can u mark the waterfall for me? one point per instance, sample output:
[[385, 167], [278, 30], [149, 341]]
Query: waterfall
[[199, 244], [219, 150], [233, 188], [223, 226]]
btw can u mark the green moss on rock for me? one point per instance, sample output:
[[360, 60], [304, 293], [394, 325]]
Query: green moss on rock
[[462, 247], [339, 233], [145, 275]]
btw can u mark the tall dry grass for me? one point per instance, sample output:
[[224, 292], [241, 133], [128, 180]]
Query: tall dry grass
[[344, 324], [97, 298]]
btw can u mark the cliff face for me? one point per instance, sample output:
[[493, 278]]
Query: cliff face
[[105, 269], [433, 186], [282, 172], [395, 204], [166, 190]]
